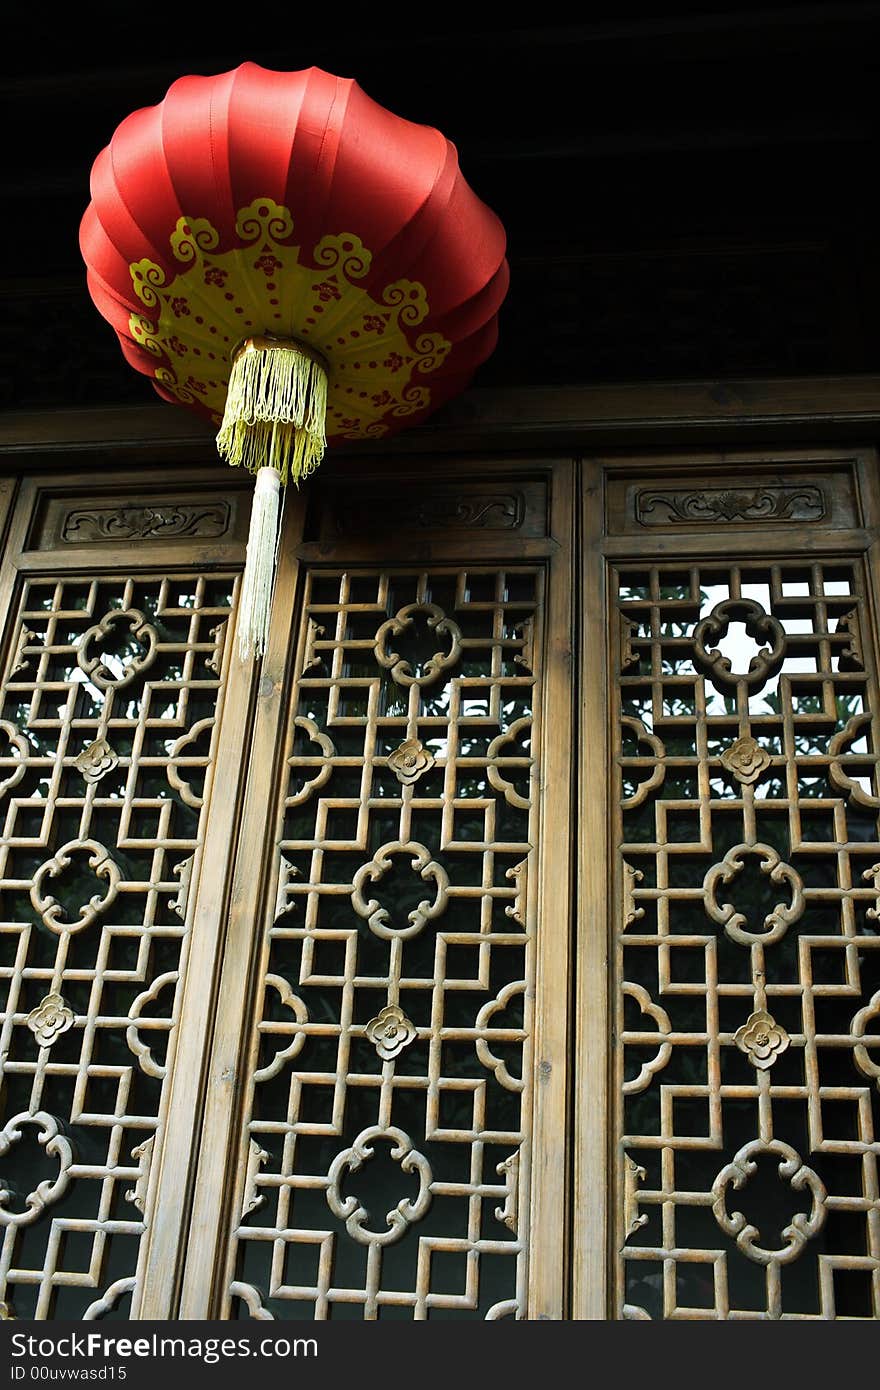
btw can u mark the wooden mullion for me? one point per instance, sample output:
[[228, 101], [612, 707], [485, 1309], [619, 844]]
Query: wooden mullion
[[152, 556], [593, 1109], [175, 1175], [217, 1182], [736, 543], [551, 1144]]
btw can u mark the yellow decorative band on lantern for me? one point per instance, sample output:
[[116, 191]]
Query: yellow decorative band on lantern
[[276, 406], [376, 363]]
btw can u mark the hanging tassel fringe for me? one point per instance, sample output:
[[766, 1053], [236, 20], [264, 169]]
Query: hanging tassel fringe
[[276, 407], [258, 581], [273, 425]]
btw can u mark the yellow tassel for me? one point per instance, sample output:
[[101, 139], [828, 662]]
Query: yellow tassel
[[276, 408]]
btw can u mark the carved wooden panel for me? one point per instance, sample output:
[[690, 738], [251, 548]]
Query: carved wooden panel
[[142, 523], [748, 952], [384, 1159], [735, 493], [469, 507], [146, 517], [659, 506], [108, 727]]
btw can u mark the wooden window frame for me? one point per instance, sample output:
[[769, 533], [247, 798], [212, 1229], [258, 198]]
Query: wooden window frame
[[508, 430]]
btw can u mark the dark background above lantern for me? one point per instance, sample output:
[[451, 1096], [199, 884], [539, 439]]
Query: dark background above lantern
[[687, 189]]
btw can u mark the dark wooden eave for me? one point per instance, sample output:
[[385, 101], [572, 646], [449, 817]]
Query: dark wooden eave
[[686, 189], [574, 419]]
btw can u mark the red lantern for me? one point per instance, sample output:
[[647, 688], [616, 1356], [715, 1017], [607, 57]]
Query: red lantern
[[286, 257]]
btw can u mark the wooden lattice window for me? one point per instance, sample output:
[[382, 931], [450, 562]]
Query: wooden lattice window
[[109, 718], [398, 971], [747, 998], [305, 1012], [317, 910]]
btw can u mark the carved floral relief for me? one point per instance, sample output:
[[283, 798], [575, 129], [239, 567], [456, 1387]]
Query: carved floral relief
[[50, 1019], [410, 761], [390, 1032], [762, 1039]]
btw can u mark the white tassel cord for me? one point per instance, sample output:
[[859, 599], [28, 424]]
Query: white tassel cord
[[258, 581]]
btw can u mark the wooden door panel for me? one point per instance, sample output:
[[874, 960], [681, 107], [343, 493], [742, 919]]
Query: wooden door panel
[[747, 970], [291, 1021], [380, 1162], [114, 682]]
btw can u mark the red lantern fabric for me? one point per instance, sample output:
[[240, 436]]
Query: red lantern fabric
[[292, 204]]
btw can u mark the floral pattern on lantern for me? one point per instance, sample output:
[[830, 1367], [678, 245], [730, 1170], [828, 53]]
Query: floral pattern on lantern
[[220, 302]]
